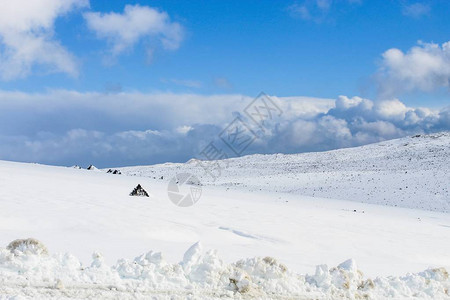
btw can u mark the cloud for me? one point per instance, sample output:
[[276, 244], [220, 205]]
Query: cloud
[[66, 127], [352, 122], [425, 67], [311, 10], [416, 10], [315, 10], [27, 37], [124, 30], [59, 111]]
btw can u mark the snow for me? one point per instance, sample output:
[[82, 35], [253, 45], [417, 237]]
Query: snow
[[202, 274], [277, 222], [411, 172]]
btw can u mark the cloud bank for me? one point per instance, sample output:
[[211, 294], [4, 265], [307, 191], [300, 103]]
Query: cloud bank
[[133, 128], [353, 122]]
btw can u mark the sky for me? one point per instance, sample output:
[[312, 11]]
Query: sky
[[117, 83]]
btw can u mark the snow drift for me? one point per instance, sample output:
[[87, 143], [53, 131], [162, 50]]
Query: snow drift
[[201, 274]]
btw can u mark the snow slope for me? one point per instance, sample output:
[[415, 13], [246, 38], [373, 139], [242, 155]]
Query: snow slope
[[412, 172], [261, 206]]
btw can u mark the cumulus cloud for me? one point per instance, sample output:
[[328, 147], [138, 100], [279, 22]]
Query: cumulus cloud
[[27, 37], [134, 128], [352, 122], [425, 67], [124, 30], [416, 10]]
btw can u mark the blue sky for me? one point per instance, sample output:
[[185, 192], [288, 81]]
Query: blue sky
[[378, 50], [252, 46]]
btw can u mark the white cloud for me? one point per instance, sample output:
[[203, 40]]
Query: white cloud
[[135, 128], [352, 122], [378, 128], [27, 37], [184, 129], [425, 67], [416, 10], [124, 30], [391, 109], [345, 103]]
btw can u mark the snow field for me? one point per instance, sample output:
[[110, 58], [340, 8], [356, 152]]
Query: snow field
[[289, 212]]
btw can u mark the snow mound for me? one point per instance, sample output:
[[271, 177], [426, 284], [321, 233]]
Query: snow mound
[[200, 275], [27, 246]]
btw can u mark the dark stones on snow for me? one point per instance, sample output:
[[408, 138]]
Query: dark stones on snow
[[139, 191], [111, 171], [93, 168]]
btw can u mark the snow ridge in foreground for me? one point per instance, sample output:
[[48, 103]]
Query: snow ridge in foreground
[[30, 273]]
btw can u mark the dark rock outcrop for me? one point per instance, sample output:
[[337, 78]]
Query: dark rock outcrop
[[139, 191]]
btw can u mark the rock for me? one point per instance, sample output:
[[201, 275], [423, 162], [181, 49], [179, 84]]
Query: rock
[[115, 171], [139, 191]]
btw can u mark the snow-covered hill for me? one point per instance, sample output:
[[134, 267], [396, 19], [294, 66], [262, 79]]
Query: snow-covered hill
[[412, 172], [293, 208]]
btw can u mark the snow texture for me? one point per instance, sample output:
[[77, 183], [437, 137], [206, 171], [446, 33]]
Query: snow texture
[[201, 275]]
